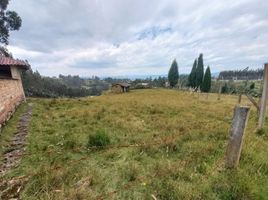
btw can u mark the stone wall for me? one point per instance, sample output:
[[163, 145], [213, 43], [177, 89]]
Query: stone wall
[[11, 95]]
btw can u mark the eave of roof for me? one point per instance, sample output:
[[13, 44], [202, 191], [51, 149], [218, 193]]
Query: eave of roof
[[6, 61], [123, 84]]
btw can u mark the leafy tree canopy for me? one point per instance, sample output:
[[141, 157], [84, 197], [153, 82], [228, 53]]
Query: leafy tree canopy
[[4, 52], [9, 21]]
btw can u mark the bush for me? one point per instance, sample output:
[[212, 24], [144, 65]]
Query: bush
[[99, 139]]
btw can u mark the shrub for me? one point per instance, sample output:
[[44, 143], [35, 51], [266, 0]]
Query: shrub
[[99, 139]]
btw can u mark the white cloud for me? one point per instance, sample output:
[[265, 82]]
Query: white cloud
[[127, 37]]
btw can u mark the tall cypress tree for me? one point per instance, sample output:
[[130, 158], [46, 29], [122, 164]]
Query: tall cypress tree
[[192, 76], [173, 74], [199, 71], [206, 85]]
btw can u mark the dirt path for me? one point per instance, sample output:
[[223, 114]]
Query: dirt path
[[10, 189]]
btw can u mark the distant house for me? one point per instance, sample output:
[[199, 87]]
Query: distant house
[[120, 87], [11, 89]]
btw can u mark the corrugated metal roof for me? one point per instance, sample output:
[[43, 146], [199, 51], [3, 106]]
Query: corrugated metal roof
[[5, 61]]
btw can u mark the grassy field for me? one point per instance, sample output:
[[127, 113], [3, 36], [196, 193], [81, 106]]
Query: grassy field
[[161, 144]]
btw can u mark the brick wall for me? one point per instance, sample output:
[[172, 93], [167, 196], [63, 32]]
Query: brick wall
[[11, 95]]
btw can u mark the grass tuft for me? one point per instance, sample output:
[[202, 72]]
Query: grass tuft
[[100, 139]]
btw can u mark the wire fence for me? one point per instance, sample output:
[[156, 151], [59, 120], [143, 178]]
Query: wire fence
[[163, 142]]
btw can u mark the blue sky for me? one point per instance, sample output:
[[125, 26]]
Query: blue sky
[[137, 37]]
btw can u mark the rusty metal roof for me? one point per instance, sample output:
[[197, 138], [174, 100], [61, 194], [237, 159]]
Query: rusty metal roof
[[6, 61]]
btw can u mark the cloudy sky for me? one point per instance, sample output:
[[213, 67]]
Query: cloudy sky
[[137, 37]]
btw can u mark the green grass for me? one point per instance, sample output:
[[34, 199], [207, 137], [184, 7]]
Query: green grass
[[10, 129], [98, 140], [164, 143]]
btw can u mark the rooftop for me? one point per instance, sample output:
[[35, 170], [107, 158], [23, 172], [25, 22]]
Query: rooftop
[[6, 61], [123, 84]]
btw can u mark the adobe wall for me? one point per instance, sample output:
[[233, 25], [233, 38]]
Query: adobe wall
[[117, 89], [11, 95]]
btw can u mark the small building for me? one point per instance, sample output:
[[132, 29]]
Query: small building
[[120, 87], [11, 89]]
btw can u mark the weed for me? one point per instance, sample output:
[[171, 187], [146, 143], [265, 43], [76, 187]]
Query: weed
[[100, 139]]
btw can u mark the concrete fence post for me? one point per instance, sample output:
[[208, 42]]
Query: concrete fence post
[[263, 98], [237, 131]]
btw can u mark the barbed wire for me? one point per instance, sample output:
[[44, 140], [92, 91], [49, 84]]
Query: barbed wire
[[167, 141]]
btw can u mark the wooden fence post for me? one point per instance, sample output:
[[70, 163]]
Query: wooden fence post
[[252, 100], [219, 92], [239, 98], [237, 131], [263, 98]]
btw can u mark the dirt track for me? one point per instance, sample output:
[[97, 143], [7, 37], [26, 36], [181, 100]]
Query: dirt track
[[10, 189]]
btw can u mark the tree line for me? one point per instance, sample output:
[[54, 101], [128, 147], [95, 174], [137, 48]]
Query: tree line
[[198, 80], [241, 74], [136, 83], [36, 85]]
